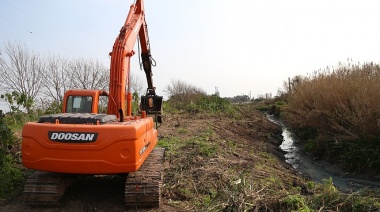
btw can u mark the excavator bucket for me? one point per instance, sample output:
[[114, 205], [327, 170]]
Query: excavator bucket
[[152, 104]]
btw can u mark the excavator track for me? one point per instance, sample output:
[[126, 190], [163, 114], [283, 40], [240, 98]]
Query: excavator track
[[143, 187], [45, 188]]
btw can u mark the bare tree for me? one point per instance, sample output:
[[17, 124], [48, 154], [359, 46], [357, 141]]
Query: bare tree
[[56, 78], [137, 85], [88, 74], [21, 70], [181, 93], [183, 89]]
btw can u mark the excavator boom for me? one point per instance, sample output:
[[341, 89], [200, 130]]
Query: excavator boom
[[134, 27]]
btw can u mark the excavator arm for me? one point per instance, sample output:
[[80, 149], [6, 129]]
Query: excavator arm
[[134, 27], [146, 57]]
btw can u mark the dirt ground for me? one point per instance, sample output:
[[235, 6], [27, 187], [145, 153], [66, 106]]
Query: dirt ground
[[252, 132]]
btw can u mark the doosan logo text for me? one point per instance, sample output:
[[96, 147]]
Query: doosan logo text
[[73, 136]]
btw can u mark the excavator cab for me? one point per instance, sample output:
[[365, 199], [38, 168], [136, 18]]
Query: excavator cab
[[79, 104], [84, 101]]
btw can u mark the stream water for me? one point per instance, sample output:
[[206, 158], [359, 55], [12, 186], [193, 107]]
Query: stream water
[[316, 170]]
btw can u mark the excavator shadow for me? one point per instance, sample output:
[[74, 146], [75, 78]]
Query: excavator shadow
[[96, 192]]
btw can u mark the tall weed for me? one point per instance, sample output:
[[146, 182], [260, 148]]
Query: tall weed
[[341, 105], [347, 97]]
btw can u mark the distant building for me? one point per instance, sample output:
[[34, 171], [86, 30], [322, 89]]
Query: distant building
[[239, 99]]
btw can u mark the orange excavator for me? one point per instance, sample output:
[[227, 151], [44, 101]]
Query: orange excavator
[[80, 141]]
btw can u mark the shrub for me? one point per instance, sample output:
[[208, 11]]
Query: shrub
[[182, 94], [185, 97], [295, 203], [215, 104], [10, 175]]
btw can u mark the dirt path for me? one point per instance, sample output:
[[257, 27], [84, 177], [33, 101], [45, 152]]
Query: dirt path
[[248, 144]]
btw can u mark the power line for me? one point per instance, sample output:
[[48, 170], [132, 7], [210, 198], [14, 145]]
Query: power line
[[35, 34], [19, 26], [49, 28]]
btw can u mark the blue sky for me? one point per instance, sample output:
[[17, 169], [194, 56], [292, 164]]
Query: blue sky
[[239, 46]]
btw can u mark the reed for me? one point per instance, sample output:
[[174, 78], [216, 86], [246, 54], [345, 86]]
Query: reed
[[336, 112], [344, 101]]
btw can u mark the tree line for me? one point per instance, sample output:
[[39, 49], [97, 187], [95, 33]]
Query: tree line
[[43, 80]]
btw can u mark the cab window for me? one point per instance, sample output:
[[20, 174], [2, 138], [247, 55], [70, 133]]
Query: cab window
[[79, 104]]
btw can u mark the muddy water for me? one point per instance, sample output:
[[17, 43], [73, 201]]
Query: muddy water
[[317, 170]]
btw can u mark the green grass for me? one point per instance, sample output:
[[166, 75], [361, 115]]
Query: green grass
[[295, 202], [273, 107], [182, 131]]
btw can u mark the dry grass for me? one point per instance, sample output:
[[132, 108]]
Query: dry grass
[[215, 163], [337, 114], [345, 100]]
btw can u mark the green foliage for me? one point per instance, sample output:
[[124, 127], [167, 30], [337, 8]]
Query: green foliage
[[311, 185], [186, 193], [276, 108], [135, 102], [358, 155], [330, 199], [311, 146], [17, 117], [207, 200], [216, 104], [263, 107], [169, 143], [204, 103], [206, 148], [361, 155], [202, 144], [17, 100], [185, 97], [182, 131], [327, 198], [53, 108], [280, 103], [16, 120], [165, 106], [274, 182], [10, 175], [232, 144], [295, 202], [307, 132]]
